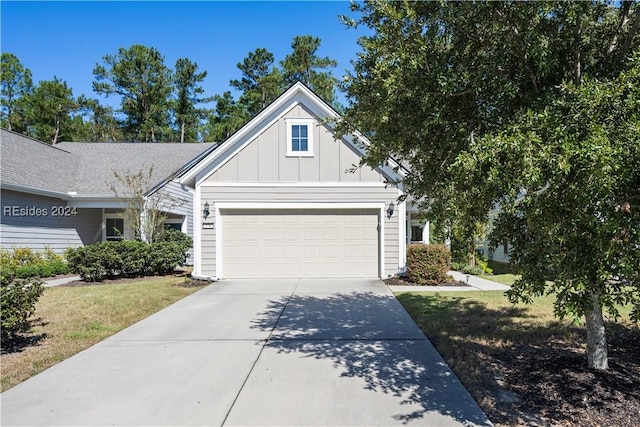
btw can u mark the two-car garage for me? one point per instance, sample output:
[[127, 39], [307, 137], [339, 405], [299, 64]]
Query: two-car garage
[[299, 243]]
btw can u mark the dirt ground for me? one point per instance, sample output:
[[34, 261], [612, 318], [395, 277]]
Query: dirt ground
[[552, 385]]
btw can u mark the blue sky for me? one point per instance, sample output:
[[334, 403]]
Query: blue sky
[[67, 39]]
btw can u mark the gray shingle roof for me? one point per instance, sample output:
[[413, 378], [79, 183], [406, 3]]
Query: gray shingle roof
[[88, 168], [26, 162]]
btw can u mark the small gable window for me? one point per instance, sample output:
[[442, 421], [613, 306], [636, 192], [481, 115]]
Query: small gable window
[[299, 138]]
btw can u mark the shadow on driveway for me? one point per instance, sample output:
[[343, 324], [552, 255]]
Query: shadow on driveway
[[367, 337]]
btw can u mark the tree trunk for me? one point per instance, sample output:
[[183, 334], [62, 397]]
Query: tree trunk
[[182, 132], [55, 136], [596, 338], [471, 255]]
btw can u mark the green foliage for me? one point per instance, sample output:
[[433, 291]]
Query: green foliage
[[303, 64], [428, 264], [520, 105], [17, 303], [484, 266], [128, 258], [569, 196], [169, 234], [16, 81], [188, 95], [138, 74], [87, 262], [100, 123], [228, 117], [26, 263], [433, 77], [261, 82], [48, 112]]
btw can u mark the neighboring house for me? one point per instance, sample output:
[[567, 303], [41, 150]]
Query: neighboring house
[[60, 196], [279, 199]]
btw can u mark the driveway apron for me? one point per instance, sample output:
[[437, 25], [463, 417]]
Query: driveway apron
[[287, 352]]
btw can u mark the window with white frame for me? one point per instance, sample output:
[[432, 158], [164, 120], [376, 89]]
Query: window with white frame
[[174, 223], [114, 229], [299, 137]]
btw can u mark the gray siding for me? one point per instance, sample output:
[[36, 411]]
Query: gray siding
[[347, 194], [178, 200], [264, 159], [39, 229]]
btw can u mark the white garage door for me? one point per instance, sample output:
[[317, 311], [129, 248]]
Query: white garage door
[[299, 243]]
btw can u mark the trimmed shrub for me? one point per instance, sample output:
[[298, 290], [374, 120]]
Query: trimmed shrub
[[87, 262], [428, 264], [164, 257], [129, 258], [134, 257], [171, 235], [17, 303]]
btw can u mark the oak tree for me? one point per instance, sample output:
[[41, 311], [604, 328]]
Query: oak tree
[[436, 80]]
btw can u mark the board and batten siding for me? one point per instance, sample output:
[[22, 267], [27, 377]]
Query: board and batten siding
[[265, 160], [58, 229], [243, 197]]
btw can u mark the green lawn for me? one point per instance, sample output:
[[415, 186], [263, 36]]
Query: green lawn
[[70, 319]]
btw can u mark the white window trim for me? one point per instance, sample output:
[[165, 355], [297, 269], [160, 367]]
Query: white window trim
[[310, 131], [106, 216], [182, 222]]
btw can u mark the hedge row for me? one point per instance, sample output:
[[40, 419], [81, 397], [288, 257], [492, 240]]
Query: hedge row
[[25, 263], [428, 264], [129, 258]]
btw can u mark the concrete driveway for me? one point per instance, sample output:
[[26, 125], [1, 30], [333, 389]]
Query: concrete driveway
[[255, 353]]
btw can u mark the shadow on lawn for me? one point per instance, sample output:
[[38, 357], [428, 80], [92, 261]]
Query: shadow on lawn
[[369, 336], [543, 363], [24, 340]]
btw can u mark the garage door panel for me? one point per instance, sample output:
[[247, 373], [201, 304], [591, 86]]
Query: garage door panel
[[299, 243]]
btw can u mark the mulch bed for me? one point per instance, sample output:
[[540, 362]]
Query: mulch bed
[[182, 280], [404, 281], [552, 385]]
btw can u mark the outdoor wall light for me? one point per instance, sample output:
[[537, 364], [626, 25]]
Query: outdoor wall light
[[205, 210], [390, 210]]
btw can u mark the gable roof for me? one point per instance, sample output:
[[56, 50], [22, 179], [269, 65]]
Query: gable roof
[[297, 94], [80, 168]]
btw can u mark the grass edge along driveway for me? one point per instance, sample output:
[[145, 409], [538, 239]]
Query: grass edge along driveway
[[70, 319]]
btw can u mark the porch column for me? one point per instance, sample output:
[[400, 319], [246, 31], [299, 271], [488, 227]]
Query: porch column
[[425, 233]]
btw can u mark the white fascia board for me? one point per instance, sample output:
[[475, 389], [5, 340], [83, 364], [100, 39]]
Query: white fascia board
[[242, 133], [234, 145], [296, 95], [295, 184], [34, 191], [402, 232], [341, 204]]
